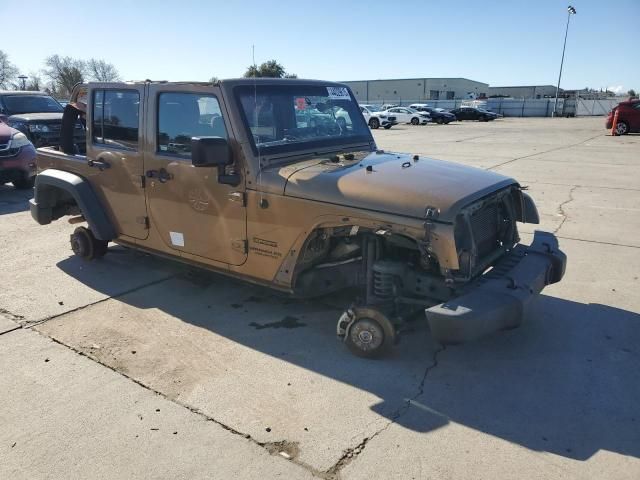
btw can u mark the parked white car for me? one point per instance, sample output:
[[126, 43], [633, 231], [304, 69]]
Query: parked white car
[[409, 115], [376, 119]]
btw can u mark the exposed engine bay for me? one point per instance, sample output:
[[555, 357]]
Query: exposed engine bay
[[391, 266]]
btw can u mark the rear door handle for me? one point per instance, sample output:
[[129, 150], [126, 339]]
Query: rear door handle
[[161, 175]]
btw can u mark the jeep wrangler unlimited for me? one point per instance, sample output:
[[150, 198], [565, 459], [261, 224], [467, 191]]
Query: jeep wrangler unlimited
[[261, 180]]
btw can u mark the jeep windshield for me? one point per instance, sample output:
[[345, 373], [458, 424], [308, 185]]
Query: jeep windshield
[[282, 119], [17, 104]]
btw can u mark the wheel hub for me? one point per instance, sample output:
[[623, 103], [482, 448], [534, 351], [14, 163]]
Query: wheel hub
[[78, 246], [367, 334]]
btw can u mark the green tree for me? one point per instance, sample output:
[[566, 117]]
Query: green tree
[[632, 93], [214, 79], [8, 71], [270, 69]]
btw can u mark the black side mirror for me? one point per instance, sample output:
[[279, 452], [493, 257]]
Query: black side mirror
[[214, 152], [210, 152]]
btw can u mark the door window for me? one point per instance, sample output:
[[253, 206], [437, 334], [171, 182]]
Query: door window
[[182, 116], [116, 118]]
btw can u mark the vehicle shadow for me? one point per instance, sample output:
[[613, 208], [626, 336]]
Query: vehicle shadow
[[13, 200], [566, 382]]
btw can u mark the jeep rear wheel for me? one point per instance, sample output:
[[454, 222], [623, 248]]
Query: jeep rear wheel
[[374, 123], [86, 246]]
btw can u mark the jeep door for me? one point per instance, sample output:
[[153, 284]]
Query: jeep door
[[190, 210], [115, 149]]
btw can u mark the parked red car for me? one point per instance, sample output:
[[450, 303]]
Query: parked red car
[[17, 158], [628, 117]]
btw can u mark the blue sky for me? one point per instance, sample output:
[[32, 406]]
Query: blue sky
[[495, 41]]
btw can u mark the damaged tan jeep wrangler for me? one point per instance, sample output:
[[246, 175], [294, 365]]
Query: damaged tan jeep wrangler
[[280, 183]]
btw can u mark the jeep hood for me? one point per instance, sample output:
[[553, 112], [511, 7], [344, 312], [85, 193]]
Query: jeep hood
[[394, 183], [31, 117]]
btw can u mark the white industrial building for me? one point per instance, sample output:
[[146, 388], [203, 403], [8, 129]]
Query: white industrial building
[[525, 91], [414, 90]]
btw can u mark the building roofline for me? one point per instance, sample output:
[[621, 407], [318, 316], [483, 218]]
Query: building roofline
[[413, 78], [522, 86]]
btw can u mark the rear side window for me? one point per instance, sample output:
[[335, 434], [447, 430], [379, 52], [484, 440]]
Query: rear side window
[[116, 118], [182, 116]]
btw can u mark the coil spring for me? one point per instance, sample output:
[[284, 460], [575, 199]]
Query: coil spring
[[382, 284]]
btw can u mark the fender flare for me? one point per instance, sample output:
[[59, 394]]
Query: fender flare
[[44, 200]]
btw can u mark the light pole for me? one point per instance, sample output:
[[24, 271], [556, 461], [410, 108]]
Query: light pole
[[570, 11], [23, 78]]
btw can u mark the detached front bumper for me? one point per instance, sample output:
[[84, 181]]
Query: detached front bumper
[[499, 299]]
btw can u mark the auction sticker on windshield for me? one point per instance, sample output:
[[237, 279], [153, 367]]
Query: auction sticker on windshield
[[338, 93]]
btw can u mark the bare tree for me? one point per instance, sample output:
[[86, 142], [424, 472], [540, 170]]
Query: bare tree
[[214, 79], [64, 73], [34, 82], [101, 71], [8, 71]]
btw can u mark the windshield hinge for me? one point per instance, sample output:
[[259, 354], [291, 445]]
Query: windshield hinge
[[239, 197]]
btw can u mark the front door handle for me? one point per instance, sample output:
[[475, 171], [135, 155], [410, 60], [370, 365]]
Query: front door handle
[[162, 175], [99, 164]]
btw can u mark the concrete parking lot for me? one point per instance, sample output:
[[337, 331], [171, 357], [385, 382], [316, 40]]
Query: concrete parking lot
[[138, 367]]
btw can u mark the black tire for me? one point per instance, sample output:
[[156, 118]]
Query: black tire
[[439, 121], [24, 183], [371, 334], [86, 246], [374, 123], [415, 121], [622, 128], [387, 127]]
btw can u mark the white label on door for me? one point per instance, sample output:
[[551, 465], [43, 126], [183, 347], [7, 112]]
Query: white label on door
[[177, 239]]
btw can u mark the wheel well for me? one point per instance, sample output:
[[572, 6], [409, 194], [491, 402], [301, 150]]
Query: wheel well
[[59, 193], [336, 258]]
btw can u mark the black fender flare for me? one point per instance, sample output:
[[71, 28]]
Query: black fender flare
[[44, 200]]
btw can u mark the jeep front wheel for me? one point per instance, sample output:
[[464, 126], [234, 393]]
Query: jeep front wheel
[[86, 246]]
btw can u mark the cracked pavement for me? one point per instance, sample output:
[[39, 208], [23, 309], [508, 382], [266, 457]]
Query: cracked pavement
[[104, 361]]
